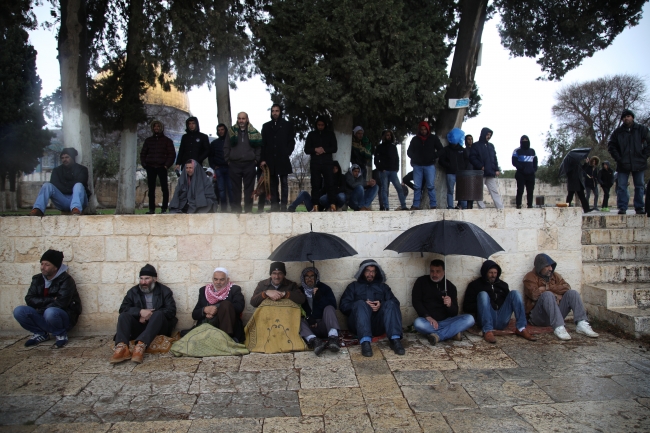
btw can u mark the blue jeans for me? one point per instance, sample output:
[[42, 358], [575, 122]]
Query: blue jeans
[[225, 187], [362, 197], [61, 201], [623, 196], [451, 184], [388, 177], [428, 172], [446, 328], [54, 320], [492, 319], [365, 323], [340, 200], [303, 197]]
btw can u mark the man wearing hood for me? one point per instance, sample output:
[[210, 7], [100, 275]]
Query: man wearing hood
[[454, 159], [436, 301], [590, 173], [156, 156], [67, 188], [361, 150], [319, 326], [218, 163], [549, 299], [372, 309], [194, 192], [194, 144], [360, 193], [491, 302], [148, 309], [525, 161], [320, 145], [243, 151], [469, 142], [424, 150], [606, 178], [53, 304], [483, 156], [629, 145], [278, 142], [387, 162]]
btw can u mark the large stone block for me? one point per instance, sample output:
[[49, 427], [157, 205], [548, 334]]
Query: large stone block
[[547, 238], [85, 273], [225, 247], [116, 248], [201, 224], [18, 273], [642, 235], [21, 226], [254, 247], [569, 239], [371, 245], [390, 221], [304, 221], [138, 248], [277, 240], [280, 223], [60, 243], [508, 239], [637, 221], [96, 225], [523, 218], [201, 272], [89, 300], [60, 226], [230, 224], [526, 240], [28, 250], [240, 270], [257, 224], [110, 296], [113, 273], [169, 224], [563, 217], [360, 221], [332, 222], [163, 248], [174, 272], [194, 247], [7, 252], [88, 249], [132, 224], [621, 236], [11, 297], [615, 221]]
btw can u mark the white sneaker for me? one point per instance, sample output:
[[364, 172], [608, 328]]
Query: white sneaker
[[560, 332], [583, 327]]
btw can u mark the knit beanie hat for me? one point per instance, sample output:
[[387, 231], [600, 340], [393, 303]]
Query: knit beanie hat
[[148, 270], [626, 112], [70, 151], [278, 266], [53, 256]]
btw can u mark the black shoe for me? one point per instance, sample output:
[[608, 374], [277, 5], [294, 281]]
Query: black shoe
[[319, 345], [366, 350], [518, 206], [432, 207], [151, 212], [621, 212], [639, 211], [433, 339], [333, 343], [397, 347], [163, 211], [310, 343]]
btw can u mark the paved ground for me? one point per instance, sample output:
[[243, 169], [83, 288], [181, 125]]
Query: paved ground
[[583, 385]]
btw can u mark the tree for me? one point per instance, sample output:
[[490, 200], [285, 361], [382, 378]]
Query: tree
[[300, 165], [557, 145]]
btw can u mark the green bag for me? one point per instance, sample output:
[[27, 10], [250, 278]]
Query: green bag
[[206, 340]]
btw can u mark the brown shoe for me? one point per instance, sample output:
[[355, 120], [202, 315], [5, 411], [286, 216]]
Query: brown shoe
[[332, 208], [525, 334], [36, 212], [489, 337], [315, 209], [458, 337], [121, 353], [138, 352], [76, 211]]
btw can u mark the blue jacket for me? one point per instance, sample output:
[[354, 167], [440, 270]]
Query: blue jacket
[[362, 290], [524, 158], [483, 155]]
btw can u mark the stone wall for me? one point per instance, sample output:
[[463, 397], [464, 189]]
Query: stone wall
[[105, 253]]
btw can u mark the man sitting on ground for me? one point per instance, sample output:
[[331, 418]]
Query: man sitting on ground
[[53, 304], [549, 299], [148, 310], [319, 327], [372, 309], [436, 302], [492, 303]]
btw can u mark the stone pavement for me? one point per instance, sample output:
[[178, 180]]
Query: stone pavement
[[583, 385]]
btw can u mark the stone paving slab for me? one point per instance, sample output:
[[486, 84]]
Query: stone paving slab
[[227, 425], [151, 427], [328, 377], [247, 404], [433, 422], [139, 384], [334, 401], [44, 384], [219, 364], [492, 393], [301, 425], [583, 388], [22, 409], [335, 423], [434, 398], [86, 427], [245, 381], [501, 419]]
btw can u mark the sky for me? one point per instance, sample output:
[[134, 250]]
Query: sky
[[513, 102]]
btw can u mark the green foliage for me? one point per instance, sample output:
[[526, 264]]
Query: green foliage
[[474, 103], [106, 161], [561, 33], [508, 174], [384, 62], [558, 144]]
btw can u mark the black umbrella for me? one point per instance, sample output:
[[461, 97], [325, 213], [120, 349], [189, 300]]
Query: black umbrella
[[446, 237], [312, 246], [574, 157]]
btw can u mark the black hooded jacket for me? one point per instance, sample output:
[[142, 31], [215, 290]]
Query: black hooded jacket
[[216, 158], [497, 291], [524, 158], [630, 147], [338, 181], [454, 159], [362, 290], [483, 156], [325, 139], [64, 178], [194, 145], [387, 156], [606, 175], [424, 152], [278, 142]]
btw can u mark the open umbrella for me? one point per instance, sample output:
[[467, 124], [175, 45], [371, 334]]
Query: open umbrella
[[446, 237], [312, 246], [574, 157]]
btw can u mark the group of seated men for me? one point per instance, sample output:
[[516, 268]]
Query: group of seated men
[[372, 310]]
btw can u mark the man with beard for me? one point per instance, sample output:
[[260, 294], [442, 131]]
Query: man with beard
[[194, 192], [492, 303], [194, 144], [148, 309], [67, 188], [156, 157], [53, 304], [319, 327], [549, 299], [218, 163], [242, 151], [278, 142], [320, 145]]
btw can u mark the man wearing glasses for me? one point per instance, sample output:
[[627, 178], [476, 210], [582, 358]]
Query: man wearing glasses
[[319, 327]]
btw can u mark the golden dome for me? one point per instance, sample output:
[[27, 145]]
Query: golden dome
[[174, 98]]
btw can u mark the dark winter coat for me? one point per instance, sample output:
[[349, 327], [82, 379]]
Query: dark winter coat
[[387, 156], [575, 180], [157, 150], [606, 176], [453, 159], [591, 174], [427, 298], [497, 291], [524, 158], [325, 139], [63, 288], [64, 178], [338, 181], [235, 297], [292, 292], [630, 147], [323, 297], [194, 145], [352, 182], [362, 290], [278, 142], [424, 152], [163, 300], [216, 158], [483, 156]]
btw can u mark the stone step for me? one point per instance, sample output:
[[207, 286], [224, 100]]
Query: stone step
[[609, 252], [633, 320], [614, 221], [627, 235], [616, 272], [612, 295]]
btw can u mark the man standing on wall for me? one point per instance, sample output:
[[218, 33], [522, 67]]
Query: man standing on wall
[[243, 152], [278, 142], [156, 157]]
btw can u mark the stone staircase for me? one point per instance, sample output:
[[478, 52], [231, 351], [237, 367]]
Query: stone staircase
[[616, 270]]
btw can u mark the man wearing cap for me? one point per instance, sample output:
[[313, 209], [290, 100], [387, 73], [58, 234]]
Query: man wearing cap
[[67, 188], [629, 145], [277, 287], [53, 304], [148, 310]]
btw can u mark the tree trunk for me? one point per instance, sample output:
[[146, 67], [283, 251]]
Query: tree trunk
[[223, 92], [73, 65], [343, 132], [131, 100]]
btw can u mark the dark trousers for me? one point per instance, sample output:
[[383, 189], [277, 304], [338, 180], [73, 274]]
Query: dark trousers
[[365, 323], [242, 172], [606, 196], [581, 196], [283, 198], [152, 174], [528, 181], [225, 318], [129, 327], [322, 179], [470, 204], [225, 187], [322, 326]]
